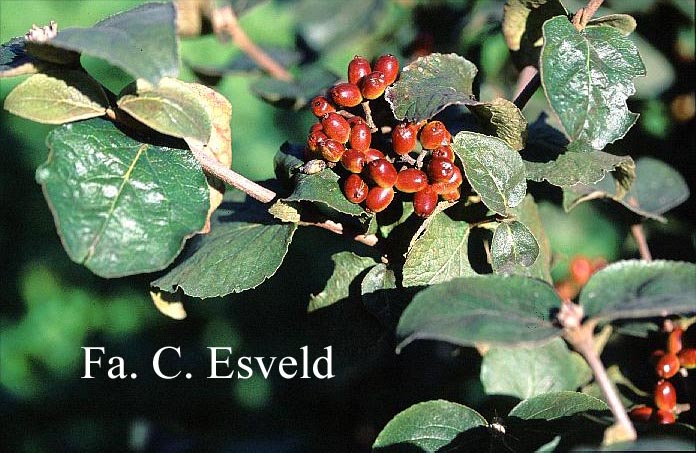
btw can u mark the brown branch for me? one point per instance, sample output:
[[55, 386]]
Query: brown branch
[[335, 227], [581, 337], [527, 84], [584, 15], [639, 236], [215, 168], [224, 19]]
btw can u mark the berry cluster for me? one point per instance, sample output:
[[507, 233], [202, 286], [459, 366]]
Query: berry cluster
[[581, 269], [668, 364], [369, 156]]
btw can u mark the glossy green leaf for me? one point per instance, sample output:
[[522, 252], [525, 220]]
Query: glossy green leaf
[[323, 188], [244, 247], [14, 60], [640, 289], [513, 245], [121, 207], [172, 107], [427, 427], [430, 84], [532, 371], [493, 169], [555, 405], [57, 97], [578, 168], [347, 267], [440, 254], [657, 188], [141, 41], [522, 21], [501, 118], [528, 214], [495, 309], [587, 77], [294, 93]]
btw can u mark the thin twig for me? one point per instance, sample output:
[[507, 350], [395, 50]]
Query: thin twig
[[225, 19], [529, 88], [335, 227], [368, 116], [581, 337], [584, 15], [215, 168], [639, 236]]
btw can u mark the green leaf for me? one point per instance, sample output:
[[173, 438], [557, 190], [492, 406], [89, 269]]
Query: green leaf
[[440, 254], [141, 41], [57, 96], [522, 21], [528, 372], [640, 289], [495, 309], [14, 60], [623, 22], [513, 245], [172, 107], [573, 168], [501, 118], [430, 84], [287, 162], [285, 212], [380, 296], [323, 188], [551, 406], [121, 207], [657, 188], [347, 267], [528, 214], [427, 427], [587, 77], [493, 169], [294, 93], [244, 247]]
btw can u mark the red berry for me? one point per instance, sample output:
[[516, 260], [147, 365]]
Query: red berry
[[687, 358], [411, 180], [346, 94], [452, 196], [360, 136], [332, 150], [378, 198], [641, 413], [355, 189], [667, 366], [567, 289], [665, 395], [389, 66], [434, 134], [353, 160], [664, 417], [358, 68], [674, 340], [321, 106], [336, 127], [373, 154], [445, 152], [440, 170], [404, 138], [451, 184], [314, 139], [316, 127], [424, 202], [382, 172], [373, 85], [581, 269]]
